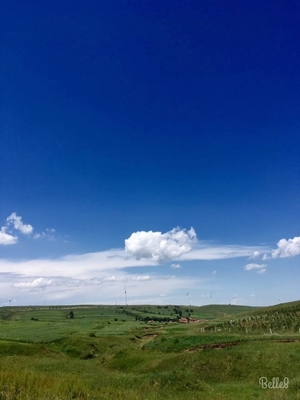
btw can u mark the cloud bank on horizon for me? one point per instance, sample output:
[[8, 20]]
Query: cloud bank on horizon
[[66, 274]]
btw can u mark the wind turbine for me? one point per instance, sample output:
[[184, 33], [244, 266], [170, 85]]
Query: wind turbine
[[125, 292], [189, 298], [211, 296], [9, 301]]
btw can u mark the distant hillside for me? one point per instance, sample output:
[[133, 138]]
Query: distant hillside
[[221, 310], [279, 319], [291, 304], [211, 311]]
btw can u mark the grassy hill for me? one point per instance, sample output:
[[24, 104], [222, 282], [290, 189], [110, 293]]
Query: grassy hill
[[142, 352]]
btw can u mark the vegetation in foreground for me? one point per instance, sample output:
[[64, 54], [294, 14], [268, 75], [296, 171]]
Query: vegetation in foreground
[[143, 352]]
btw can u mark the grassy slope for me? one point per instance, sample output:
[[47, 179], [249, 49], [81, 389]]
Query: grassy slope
[[105, 354]]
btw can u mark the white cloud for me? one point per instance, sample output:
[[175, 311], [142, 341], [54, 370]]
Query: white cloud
[[261, 271], [182, 244], [255, 254], [214, 272], [16, 221], [48, 234], [249, 267], [75, 265], [141, 278], [287, 248], [36, 284], [160, 246], [68, 290], [76, 278], [6, 238], [208, 251], [175, 266]]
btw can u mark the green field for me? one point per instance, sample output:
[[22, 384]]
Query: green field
[[143, 352]]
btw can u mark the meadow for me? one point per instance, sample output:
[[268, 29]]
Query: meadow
[[146, 352]]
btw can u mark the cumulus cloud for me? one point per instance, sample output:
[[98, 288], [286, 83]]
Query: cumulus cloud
[[14, 223], [287, 248], [251, 266], [160, 246], [17, 223], [6, 238], [255, 254]]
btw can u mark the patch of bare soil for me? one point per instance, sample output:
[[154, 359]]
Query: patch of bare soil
[[212, 346]]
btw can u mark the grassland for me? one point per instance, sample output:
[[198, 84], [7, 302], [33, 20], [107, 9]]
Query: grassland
[[143, 352]]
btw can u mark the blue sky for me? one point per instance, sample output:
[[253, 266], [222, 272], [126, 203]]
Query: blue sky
[[153, 146]]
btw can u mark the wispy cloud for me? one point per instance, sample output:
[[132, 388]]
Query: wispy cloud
[[209, 251], [36, 284], [103, 288], [175, 266], [48, 234], [261, 268], [76, 265], [261, 271]]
